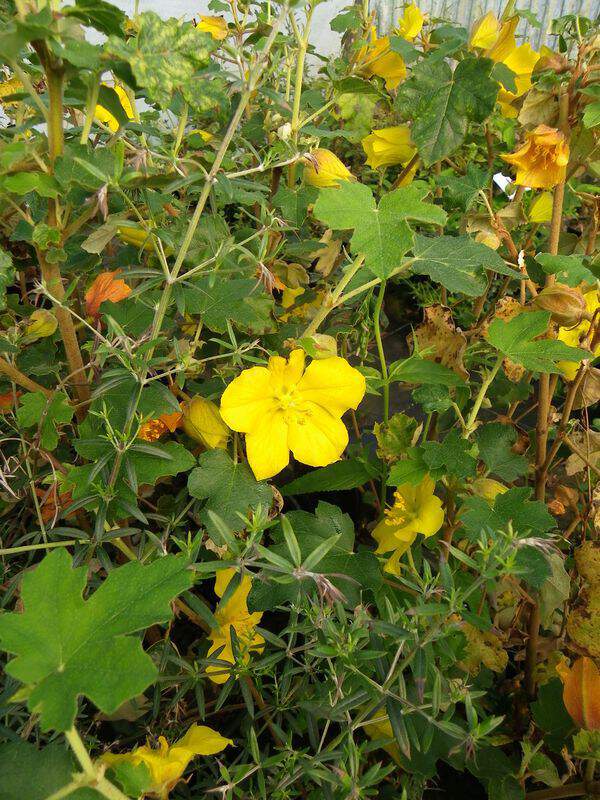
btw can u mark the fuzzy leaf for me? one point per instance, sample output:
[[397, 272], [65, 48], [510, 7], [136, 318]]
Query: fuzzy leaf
[[49, 413], [86, 650]]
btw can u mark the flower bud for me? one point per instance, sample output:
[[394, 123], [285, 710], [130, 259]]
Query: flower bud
[[42, 323], [325, 345], [323, 169], [581, 692], [566, 305], [202, 422]]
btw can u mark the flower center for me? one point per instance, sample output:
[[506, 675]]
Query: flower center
[[287, 397], [399, 513]]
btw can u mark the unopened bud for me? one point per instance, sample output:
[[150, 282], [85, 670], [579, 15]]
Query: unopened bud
[[566, 305], [202, 422]]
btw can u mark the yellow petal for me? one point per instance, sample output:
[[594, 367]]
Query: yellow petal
[[485, 32], [324, 169], [411, 22], [216, 26], [201, 740], [267, 445], [247, 399], [522, 59], [333, 384], [541, 208], [216, 672], [287, 371], [430, 516], [316, 437], [106, 118], [202, 421], [506, 42], [392, 565], [388, 146]]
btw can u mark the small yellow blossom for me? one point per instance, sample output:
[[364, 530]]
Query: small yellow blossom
[[282, 407], [216, 26], [541, 208], [416, 510], [202, 422], [167, 763], [377, 58], [8, 88], [542, 159], [323, 169], [574, 336], [104, 116], [497, 40], [410, 23], [388, 146], [233, 614]]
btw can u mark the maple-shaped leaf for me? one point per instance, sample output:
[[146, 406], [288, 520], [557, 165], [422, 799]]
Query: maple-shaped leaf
[[516, 339], [381, 232], [66, 646]]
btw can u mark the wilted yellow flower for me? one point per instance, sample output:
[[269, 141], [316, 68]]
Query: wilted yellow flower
[[202, 422], [581, 692], [233, 614], [216, 26], [104, 116], [282, 407], [574, 336], [541, 208], [377, 58], [154, 429], [416, 510], [388, 146], [566, 305], [323, 169], [498, 42], [167, 763], [105, 287], [41, 323], [411, 22], [542, 160]]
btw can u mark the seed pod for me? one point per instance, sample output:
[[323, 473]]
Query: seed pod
[[566, 305]]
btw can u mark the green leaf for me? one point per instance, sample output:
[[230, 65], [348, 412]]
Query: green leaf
[[99, 14], [217, 299], [421, 370], [453, 456], [442, 103], [381, 233], [568, 269], [458, 263], [229, 489], [32, 774], [551, 716], [505, 76], [411, 470], [165, 57], [86, 650], [495, 442], [24, 182], [556, 590], [464, 188], [7, 275], [294, 203], [527, 516], [591, 115], [133, 779], [49, 413], [516, 339], [173, 459], [336, 477]]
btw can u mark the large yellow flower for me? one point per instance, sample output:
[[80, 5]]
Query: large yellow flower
[[388, 146], [167, 763], [410, 23], [416, 510], [282, 407], [216, 26], [497, 40], [324, 169], [574, 336], [377, 58], [542, 160], [233, 614], [104, 116]]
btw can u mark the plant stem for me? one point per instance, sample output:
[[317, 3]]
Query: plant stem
[[183, 117], [470, 423], [95, 775], [16, 376], [330, 303], [384, 377], [90, 109], [301, 57], [8, 551]]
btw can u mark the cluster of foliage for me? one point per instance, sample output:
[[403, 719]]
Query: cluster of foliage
[[299, 455]]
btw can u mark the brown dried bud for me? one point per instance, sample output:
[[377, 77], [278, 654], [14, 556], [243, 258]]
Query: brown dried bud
[[566, 305]]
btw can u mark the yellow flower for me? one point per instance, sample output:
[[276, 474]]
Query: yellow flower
[[377, 58], [541, 208], [202, 422], [216, 26], [323, 169], [581, 692], [574, 336], [104, 116], [167, 763], [282, 407], [9, 87], [388, 146], [416, 510], [542, 160], [498, 43], [411, 22], [233, 614]]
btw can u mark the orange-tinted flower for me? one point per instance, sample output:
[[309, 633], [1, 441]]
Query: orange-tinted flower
[[581, 692], [542, 160], [153, 429], [105, 287], [7, 401]]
